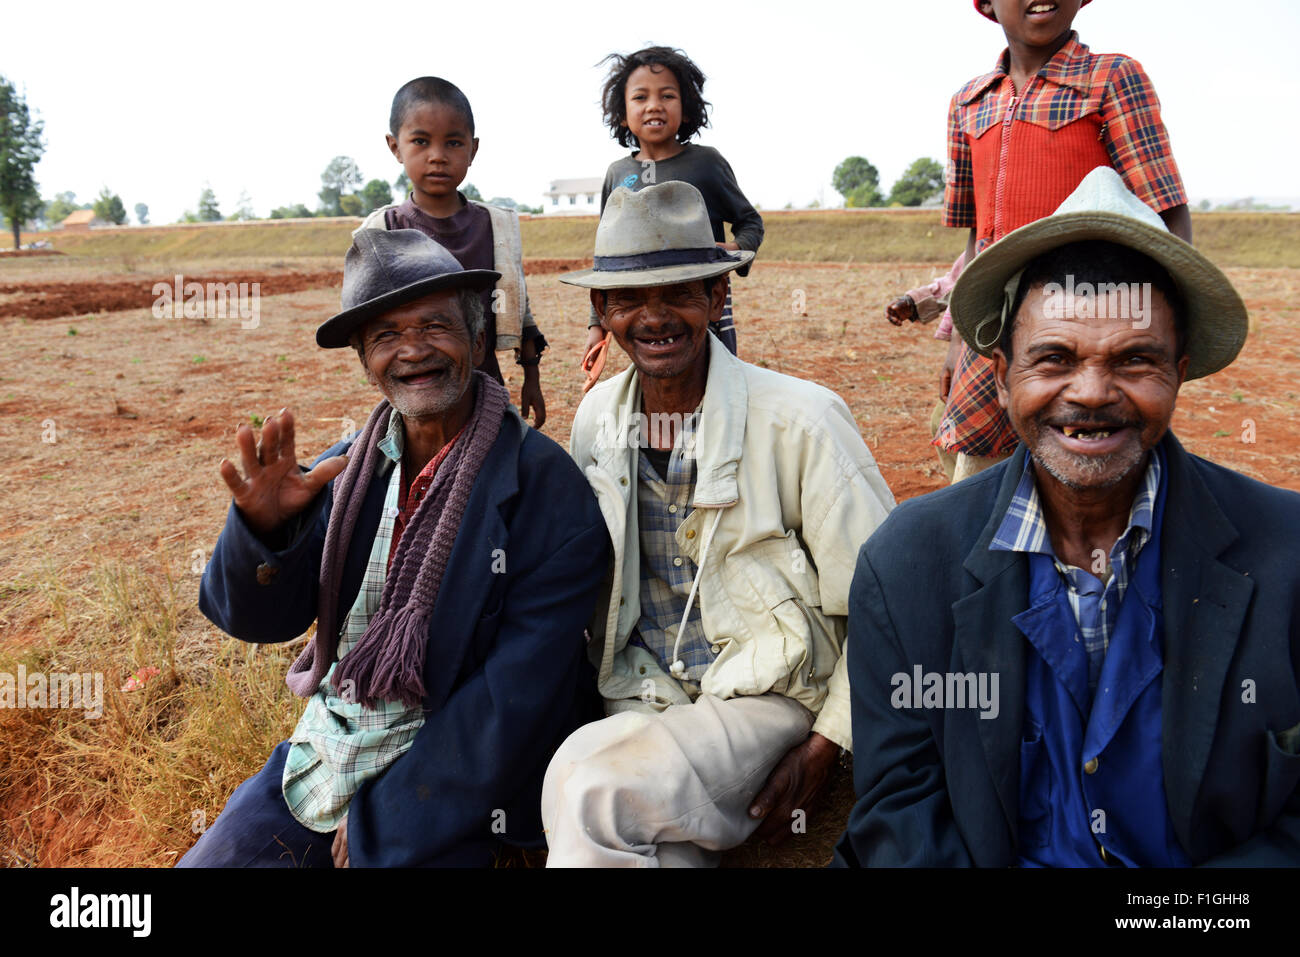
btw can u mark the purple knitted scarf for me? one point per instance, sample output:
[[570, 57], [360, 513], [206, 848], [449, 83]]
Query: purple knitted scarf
[[387, 662]]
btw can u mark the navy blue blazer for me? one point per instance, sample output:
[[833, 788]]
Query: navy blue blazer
[[506, 671], [940, 787]]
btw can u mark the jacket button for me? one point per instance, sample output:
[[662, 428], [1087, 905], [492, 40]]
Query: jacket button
[[265, 573], [1090, 767], [690, 533], [623, 480]]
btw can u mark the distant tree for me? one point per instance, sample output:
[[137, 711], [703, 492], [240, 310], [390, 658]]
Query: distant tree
[[341, 176], [471, 192], [142, 214], [1204, 206], [296, 211], [350, 205], [108, 207], [208, 211], [20, 150], [858, 182], [402, 185], [243, 209], [61, 207], [374, 194], [923, 179]]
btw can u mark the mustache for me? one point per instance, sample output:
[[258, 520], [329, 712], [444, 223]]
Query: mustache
[[1095, 420], [404, 373]]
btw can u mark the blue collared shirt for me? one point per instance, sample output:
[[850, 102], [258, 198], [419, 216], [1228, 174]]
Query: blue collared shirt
[[1091, 769], [1094, 595]]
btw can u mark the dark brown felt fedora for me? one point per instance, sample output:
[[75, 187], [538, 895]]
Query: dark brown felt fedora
[[387, 268]]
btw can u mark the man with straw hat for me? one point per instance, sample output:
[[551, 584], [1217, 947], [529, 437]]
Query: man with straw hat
[[449, 595], [1104, 670], [736, 500]]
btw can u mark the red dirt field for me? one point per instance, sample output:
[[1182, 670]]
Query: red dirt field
[[142, 409]]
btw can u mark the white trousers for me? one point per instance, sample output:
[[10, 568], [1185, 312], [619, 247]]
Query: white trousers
[[666, 789]]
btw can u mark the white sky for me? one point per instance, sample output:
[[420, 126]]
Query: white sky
[[155, 99]]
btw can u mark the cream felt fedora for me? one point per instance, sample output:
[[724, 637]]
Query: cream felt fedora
[[655, 237], [1102, 208]]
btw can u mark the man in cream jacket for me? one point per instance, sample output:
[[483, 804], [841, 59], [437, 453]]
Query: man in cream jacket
[[736, 499]]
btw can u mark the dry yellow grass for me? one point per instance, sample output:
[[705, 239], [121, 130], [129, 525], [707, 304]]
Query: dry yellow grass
[[97, 564]]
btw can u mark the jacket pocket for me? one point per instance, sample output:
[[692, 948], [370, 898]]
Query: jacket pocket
[[1035, 825], [772, 586], [1281, 774]]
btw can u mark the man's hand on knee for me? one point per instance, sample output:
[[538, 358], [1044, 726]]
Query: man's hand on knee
[[794, 785], [340, 849]]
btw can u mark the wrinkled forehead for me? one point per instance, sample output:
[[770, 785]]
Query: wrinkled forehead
[[675, 290], [444, 303], [1095, 309]]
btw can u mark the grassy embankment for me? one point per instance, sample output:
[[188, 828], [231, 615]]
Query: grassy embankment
[[1258, 240]]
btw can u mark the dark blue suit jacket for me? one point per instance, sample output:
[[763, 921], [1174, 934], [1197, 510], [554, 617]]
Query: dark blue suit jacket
[[506, 672], [941, 787]]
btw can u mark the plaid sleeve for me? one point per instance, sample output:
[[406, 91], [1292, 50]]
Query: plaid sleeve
[[1136, 137], [958, 178]]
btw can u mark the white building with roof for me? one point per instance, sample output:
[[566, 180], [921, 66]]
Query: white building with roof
[[573, 197]]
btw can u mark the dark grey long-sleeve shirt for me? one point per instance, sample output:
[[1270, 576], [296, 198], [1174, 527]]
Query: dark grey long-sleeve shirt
[[705, 169]]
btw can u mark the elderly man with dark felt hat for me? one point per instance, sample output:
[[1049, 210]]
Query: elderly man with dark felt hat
[[736, 499], [449, 595], [1105, 669]]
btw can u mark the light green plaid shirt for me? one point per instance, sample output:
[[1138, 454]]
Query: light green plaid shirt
[[339, 745]]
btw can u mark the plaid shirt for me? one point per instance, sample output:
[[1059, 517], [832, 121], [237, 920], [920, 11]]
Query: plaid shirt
[[1072, 84], [663, 503], [338, 745], [1095, 602]]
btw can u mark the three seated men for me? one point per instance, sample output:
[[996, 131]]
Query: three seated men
[[1087, 655]]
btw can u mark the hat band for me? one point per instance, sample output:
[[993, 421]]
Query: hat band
[[661, 258]]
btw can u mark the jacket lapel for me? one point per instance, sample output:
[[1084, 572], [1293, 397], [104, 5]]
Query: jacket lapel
[[721, 435], [987, 640], [1205, 604], [468, 577]]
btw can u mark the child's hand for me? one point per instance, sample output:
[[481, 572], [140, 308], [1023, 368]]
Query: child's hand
[[530, 397], [949, 368], [733, 247], [595, 335], [902, 309]]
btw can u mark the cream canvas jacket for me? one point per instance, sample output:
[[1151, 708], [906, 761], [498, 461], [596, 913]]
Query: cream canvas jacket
[[786, 493], [509, 294]]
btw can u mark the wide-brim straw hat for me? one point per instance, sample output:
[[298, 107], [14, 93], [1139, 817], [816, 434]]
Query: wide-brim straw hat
[[388, 268], [1102, 208], [655, 237]]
